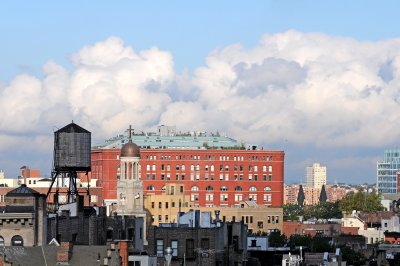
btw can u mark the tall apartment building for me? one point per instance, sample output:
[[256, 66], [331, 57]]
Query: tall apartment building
[[215, 170], [315, 176], [386, 171]]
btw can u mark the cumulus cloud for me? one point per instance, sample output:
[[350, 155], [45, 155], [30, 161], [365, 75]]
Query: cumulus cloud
[[301, 88]]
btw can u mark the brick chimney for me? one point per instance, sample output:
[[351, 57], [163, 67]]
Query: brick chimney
[[123, 252], [3, 261], [65, 253]]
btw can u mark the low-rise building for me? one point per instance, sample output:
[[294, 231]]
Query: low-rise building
[[165, 208], [196, 240], [23, 218]]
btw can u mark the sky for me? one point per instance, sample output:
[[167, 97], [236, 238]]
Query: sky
[[317, 79]]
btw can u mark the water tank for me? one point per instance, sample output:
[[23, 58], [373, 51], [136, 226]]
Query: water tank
[[72, 147]]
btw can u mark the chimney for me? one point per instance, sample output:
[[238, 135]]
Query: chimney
[[217, 215], [123, 252], [65, 253]]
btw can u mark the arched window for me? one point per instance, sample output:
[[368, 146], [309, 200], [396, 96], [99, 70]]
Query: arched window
[[195, 188], [238, 188], [17, 241], [224, 188], [164, 188], [209, 188], [252, 188], [1, 241], [150, 187], [267, 188]]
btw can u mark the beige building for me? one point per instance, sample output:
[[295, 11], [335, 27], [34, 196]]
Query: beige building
[[315, 176], [165, 209], [23, 221]]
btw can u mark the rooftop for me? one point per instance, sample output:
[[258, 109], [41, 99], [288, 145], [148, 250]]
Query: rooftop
[[168, 138]]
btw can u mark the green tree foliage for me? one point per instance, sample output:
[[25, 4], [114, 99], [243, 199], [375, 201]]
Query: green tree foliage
[[276, 239], [352, 257], [317, 243], [361, 201], [324, 210]]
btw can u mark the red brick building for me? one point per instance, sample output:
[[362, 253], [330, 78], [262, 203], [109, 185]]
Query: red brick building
[[212, 177]]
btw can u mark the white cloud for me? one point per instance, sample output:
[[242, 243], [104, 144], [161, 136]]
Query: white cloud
[[307, 89]]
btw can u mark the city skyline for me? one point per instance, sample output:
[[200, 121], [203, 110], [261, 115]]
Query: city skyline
[[316, 80]]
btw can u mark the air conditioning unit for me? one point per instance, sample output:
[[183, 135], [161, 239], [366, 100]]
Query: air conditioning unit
[[205, 255]]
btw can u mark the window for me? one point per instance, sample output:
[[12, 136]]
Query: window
[[183, 167], [270, 168], [253, 188], [270, 177], [224, 188], [190, 248], [238, 197], [195, 188], [238, 188], [174, 246], [1, 241], [160, 248], [205, 243], [267, 188], [160, 205], [152, 204], [253, 197], [224, 197], [148, 167], [268, 197], [166, 205], [260, 225], [209, 188], [17, 241], [150, 187], [194, 197], [209, 197], [166, 218], [153, 167]]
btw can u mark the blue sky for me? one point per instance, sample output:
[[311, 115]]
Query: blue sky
[[35, 31], [200, 37]]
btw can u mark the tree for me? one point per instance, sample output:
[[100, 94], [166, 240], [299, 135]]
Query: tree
[[322, 195], [276, 239], [352, 257], [301, 197], [361, 201]]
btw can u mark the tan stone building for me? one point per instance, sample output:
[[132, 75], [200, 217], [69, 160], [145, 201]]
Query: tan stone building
[[165, 208], [23, 219]]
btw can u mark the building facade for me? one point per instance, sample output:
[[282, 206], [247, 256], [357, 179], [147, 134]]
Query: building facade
[[215, 171], [165, 208], [315, 176], [197, 240], [387, 172], [23, 218]]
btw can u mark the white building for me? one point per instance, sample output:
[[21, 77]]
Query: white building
[[315, 175]]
